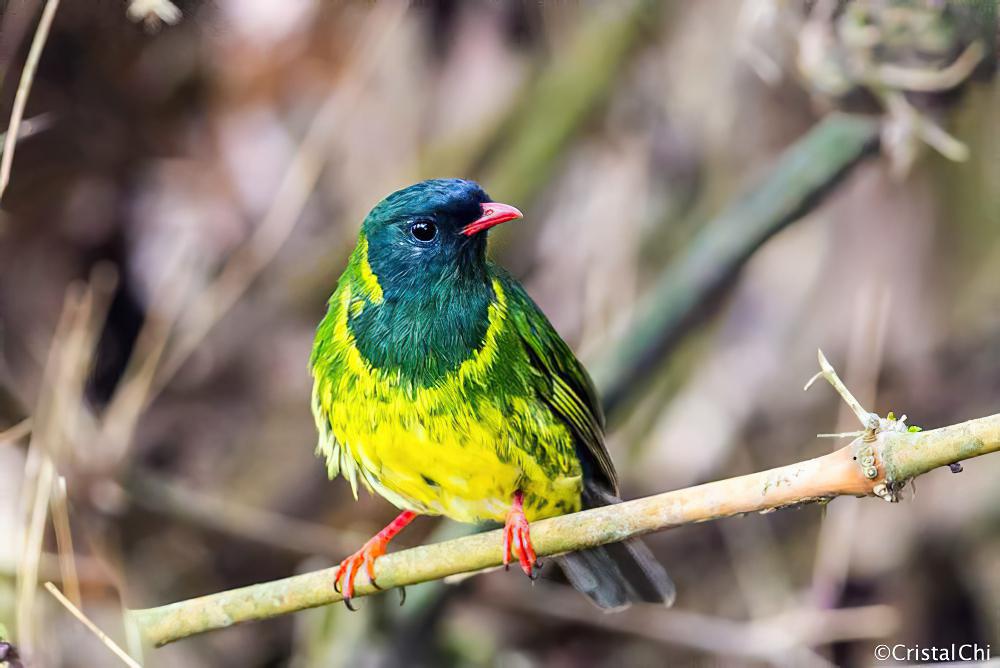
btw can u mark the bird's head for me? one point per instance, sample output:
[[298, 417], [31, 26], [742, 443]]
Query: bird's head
[[432, 231]]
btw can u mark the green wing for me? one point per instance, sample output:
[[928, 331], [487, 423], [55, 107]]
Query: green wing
[[562, 382]]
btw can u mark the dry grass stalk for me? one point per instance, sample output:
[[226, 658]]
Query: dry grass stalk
[[64, 542], [92, 627], [23, 89], [57, 422]]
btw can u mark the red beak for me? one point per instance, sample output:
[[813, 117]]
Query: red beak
[[494, 213]]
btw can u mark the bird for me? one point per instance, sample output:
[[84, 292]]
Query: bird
[[440, 385]]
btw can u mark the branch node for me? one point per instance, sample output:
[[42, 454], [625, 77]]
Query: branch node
[[865, 453], [865, 457]]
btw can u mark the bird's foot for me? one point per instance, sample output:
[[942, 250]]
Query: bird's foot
[[343, 580], [349, 568], [517, 538]]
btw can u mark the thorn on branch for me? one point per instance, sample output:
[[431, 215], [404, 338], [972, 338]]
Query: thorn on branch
[[828, 372], [872, 423], [866, 454], [842, 434]]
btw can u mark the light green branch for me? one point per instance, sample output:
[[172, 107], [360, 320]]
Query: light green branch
[[898, 457]]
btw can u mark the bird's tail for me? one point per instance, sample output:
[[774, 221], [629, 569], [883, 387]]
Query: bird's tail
[[617, 575]]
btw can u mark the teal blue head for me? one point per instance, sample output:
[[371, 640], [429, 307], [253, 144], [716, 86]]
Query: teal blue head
[[432, 233], [427, 250]]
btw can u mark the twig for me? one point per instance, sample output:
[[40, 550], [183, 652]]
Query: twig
[[92, 627], [23, 89], [879, 463]]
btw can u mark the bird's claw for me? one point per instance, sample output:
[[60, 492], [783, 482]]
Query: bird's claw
[[517, 541], [343, 580]]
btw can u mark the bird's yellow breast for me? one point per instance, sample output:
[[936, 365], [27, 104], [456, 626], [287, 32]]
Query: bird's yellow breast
[[460, 447]]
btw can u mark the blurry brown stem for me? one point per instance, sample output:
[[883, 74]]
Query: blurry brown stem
[[880, 463], [23, 89], [245, 522]]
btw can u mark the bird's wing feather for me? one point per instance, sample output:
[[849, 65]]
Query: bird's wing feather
[[562, 382]]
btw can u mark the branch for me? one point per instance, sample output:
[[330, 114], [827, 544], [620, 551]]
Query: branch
[[878, 462]]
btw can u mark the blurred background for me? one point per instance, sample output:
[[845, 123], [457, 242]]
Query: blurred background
[[700, 217]]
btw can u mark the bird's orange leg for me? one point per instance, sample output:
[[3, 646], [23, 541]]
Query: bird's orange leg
[[366, 556], [517, 538]]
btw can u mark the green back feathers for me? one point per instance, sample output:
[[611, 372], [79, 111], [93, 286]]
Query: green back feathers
[[562, 383]]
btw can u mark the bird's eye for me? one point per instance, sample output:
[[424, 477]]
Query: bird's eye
[[423, 230]]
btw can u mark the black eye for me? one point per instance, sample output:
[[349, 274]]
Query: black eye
[[423, 230]]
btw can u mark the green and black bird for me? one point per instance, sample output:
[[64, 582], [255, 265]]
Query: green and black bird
[[441, 386]]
